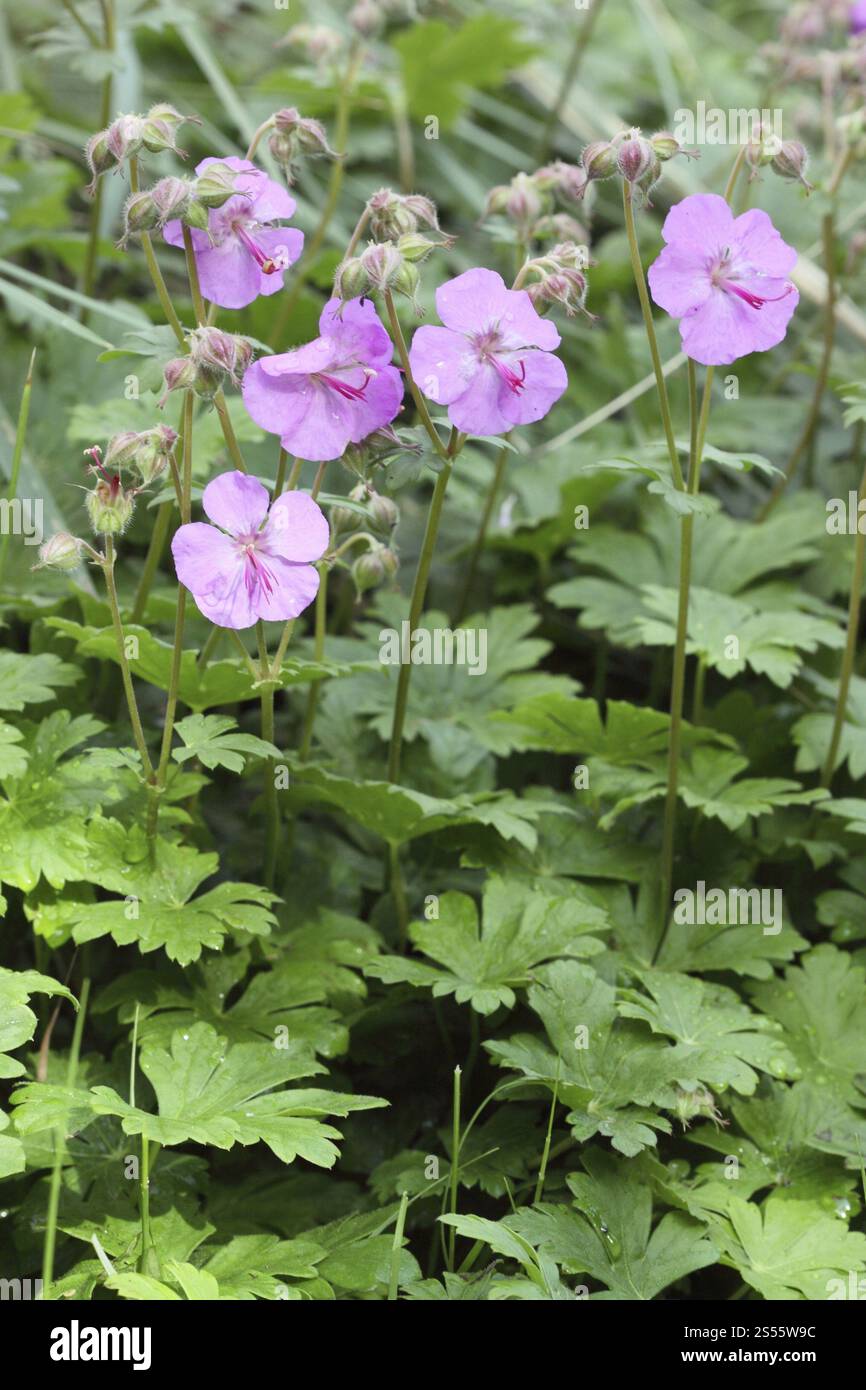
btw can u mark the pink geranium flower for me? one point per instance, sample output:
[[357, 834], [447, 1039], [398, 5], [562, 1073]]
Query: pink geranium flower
[[725, 278], [331, 392], [491, 364], [857, 17], [254, 562], [242, 254]]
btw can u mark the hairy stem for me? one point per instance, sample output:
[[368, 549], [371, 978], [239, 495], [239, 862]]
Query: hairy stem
[[478, 545]]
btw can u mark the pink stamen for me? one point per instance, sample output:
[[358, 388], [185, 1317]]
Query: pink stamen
[[257, 574], [755, 301], [514, 382], [343, 388], [268, 265]]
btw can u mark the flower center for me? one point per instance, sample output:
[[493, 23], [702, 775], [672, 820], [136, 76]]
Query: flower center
[[724, 277], [268, 264], [344, 388], [256, 572], [486, 345]]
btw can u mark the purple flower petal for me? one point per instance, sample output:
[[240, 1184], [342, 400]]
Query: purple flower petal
[[296, 529], [678, 279], [211, 565], [236, 502], [703, 220], [478, 301], [293, 589], [443, 363], [544, 382]]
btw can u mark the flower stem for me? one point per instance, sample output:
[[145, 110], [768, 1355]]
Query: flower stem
[[159, 285], [192, 273], [318, 653], [50, 1241], [478, 546], [17, 454], [341, 140], [455, 1163], [126, 675], [646, 310], [272, 808], [397, 1248], [698, 429], [152, 559], [403, 353], [180, 617], [854, 601], [416, 608]]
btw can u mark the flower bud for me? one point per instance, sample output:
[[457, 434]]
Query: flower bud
[[351, 280], [635, 157], [373, 567], [344, 519], [666, 146], [382, 263], [416, 247], [317, 42], [763, 147], [146, 451], [215, 185], [99, 157], [140, 214], [384, 512], [61, 551], [109, 506], [523, 203], [393, 215], [160, 126], [195, 215], [366, 18], [124, 136], [599, 159], [569, 180], [791, 162]]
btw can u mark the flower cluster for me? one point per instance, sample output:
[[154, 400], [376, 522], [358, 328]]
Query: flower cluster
[[127, 136]]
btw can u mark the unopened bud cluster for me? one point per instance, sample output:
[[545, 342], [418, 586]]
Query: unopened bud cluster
[[380, 513], [529, 202], [129, 135], [214, 357], [186, 199], [559, 278], [634, 157], [390, 263], [294, 137], [145, 455]]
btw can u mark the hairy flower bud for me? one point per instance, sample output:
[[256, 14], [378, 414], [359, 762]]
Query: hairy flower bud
[[222, 352], [295, 136], [145, 451], [393, 215], [61, 551], [351, 280], [215, 185], [791, 162], [382, 263], [109, 505], [666, 146], [635, 157], [599, 159]]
